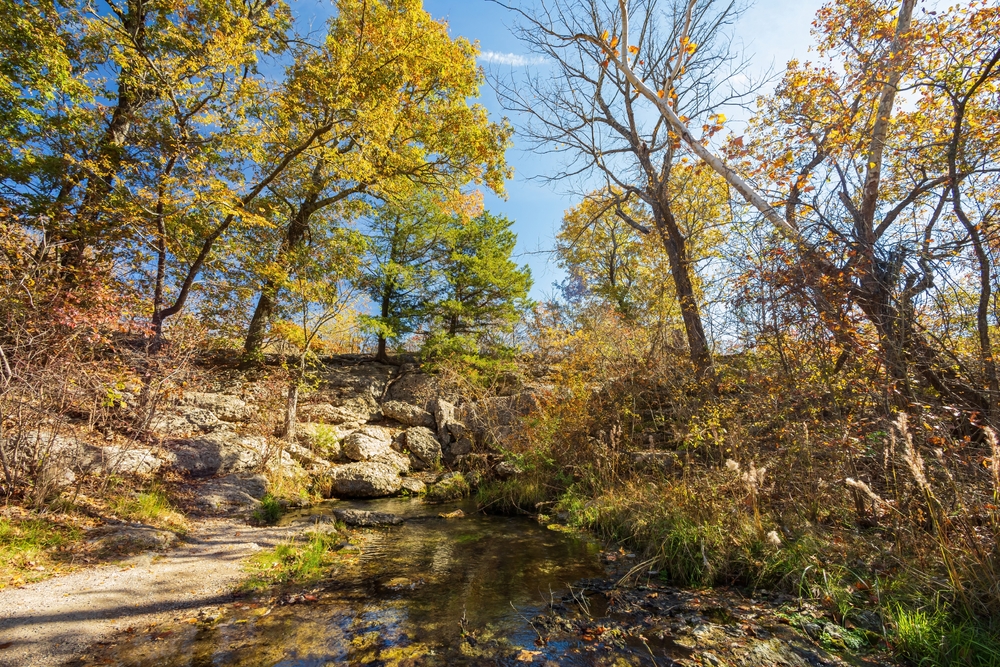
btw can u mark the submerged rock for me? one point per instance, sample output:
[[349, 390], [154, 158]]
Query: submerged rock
[[366, 519]]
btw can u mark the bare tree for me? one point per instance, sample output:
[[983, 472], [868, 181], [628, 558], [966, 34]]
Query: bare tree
[[582, 108], [877, 226]]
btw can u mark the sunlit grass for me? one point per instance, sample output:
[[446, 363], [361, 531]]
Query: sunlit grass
[[292, 562], [269, 512], [151, 506], [29, 549]]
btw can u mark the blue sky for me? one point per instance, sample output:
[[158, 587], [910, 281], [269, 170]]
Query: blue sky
[[774, 31]]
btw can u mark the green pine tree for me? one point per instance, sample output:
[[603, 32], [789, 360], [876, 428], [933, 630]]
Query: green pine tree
[[481, 288]]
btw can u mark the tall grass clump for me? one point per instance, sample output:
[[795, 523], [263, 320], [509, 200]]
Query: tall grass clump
[[151, 506]]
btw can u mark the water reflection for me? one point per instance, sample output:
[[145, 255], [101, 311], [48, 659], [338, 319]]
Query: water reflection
[[408, 599]]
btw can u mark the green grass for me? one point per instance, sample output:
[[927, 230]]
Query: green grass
[[291, 562], [325, 441], [512, 496], [933, 638], [151, 506], [452, 488], [30, 544], [270, 510]]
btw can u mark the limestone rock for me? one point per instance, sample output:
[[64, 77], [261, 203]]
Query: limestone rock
[[444, 414], [423, 446], [127, 461], [306, 458], [366, 443], [185, 420], [408, 414], [655, 460], [364, 479], [131, 539], [327, 413], [506, 470], [460, 447], [219, 453], [241, 492], [399, 462], [225, 407], [325, 440], [450, 487], [413, 485], [366, 519], [414, 387]]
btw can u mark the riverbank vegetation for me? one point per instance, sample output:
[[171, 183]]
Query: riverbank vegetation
[[837, 439]]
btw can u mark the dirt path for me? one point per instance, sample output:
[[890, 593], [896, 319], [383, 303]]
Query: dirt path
[[54, 621]]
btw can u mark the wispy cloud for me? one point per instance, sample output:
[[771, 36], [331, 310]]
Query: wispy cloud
[[511, 59]]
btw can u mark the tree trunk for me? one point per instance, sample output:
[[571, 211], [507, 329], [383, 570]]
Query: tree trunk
[[110, 151], [680, 269], [268, 299], [291, 411], [385, 306]]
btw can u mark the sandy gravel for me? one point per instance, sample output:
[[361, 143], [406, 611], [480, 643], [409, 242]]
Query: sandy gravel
[[54, 621]]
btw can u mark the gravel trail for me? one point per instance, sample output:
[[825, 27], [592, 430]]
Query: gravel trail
[[51, 622]]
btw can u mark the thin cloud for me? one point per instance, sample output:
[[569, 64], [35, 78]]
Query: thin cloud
[[511, 59]]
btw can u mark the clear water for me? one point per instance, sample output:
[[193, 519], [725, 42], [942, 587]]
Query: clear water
[[432, 591]]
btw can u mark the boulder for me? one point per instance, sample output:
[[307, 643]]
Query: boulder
[[414, 387], [225, 407], [55, 459], [218, 454], [444, 414], [366, 519], [185, 420], [241, 492], [132, 539], [365, 479], [450, 487], [367, 442], [655, 460], [506, 470], [413, 485], [424, 448], [399, 462], [127, 461], [407, 414], [457, 430], [327, 413], [460, 447], [325, 439], [306, 458]]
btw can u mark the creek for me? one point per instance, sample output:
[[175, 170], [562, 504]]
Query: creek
[[476, 589]]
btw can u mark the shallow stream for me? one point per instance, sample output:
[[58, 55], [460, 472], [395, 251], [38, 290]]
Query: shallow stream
[[477, 590], [433, 591]]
